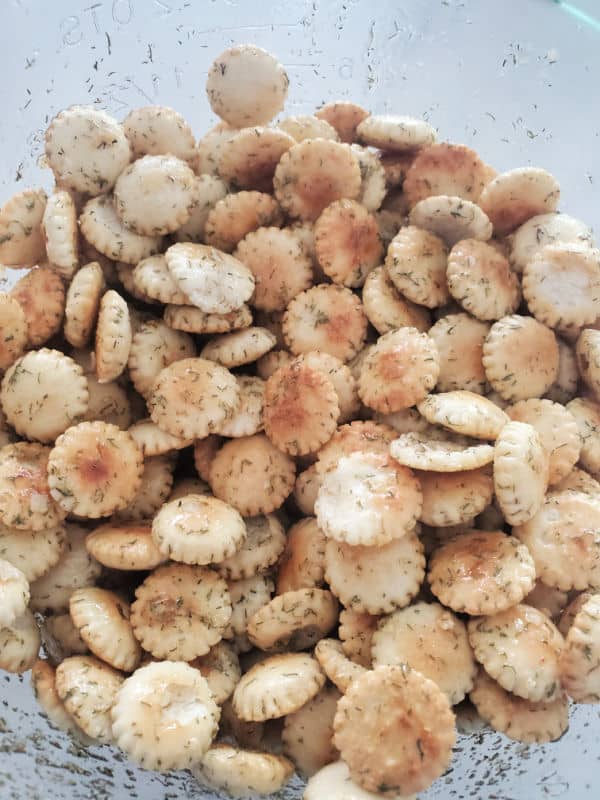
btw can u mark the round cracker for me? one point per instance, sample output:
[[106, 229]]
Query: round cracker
[[416, 262], [294, 620], [347, 243], [301, 408], [153, 348], [356, 634], [459, 340], [192, 396], [519, 647], [197, 529], [208, 150], [153, 441], [43, 393], [558, 432], [236, 215], [543, 229], [307, 126], [359, 436], [562, 540], [252, 475], [307, 734], [158, 130], [302, 562], [444, 453], [375, 580], [82, 304], [240, 773], [208, 190], [155, 195], [341, 378], [521, 466], [587, 416], [215, 282], [465, 413], [367, 499], [259, 550], [26, 501], [451, 218], [164, 716], [404, 749], [13, 330], [94, 469], [180, 611], [481, 572], [445, 168], [390, 132], [561, 285], [372, 174], [344, 116], [86, 149], [113, 337], [520, 356], [32, 552], [102, 227], [41, 295], [386, 309], [279, 264], [314, 173], [580, 659], [191, 320], [520, 720], [587, 352], [157, 481], [249, 157], [88, 689], [59, 226], [124, 546], [248, 419], [328, 318], [430, 639], [399, 371], [454, 498], [102, 620], [511, 198], [481, 280], [277, 686], [334, 782], [21, 239], [246, 85]]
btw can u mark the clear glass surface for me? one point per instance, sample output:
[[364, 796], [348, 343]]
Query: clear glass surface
[[515, 79]]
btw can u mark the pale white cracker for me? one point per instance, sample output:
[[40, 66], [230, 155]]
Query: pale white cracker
[[543, 229], [101, 226], [43, 393], [158, 130], [155, 195], [214, 281], [511, 198], [451, 218], [463, 412], [113, 337], [59, 226], [390, 132], [444, 453], [246, 85], [86, 149]]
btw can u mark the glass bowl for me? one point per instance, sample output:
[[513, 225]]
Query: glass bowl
[[515, 79]]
